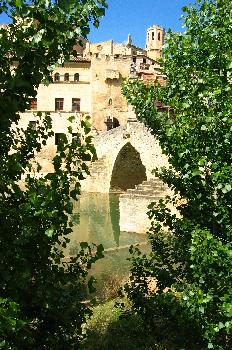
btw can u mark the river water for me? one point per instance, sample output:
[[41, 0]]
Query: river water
[[97, 221]]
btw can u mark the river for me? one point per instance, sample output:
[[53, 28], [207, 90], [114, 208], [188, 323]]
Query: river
[[96, 219]]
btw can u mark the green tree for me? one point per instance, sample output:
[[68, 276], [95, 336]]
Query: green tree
[[41, 304], [191, 252]]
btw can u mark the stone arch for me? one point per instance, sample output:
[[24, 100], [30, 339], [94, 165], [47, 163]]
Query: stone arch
[[128, 170]]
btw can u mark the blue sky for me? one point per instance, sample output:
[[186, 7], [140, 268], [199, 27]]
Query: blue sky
[[133, 17]]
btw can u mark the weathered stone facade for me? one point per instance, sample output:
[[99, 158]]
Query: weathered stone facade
[[155, 41], [90, 85], [110, 144], [91, 82]]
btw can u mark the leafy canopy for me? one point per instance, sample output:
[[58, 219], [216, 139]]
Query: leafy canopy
[[42, 294], [191, 257]]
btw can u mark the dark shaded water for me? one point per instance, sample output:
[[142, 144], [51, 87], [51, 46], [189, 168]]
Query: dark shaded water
[[99, 224]]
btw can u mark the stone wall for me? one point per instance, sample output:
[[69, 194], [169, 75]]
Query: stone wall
[[109, 144], [107, 99], [46, 94]]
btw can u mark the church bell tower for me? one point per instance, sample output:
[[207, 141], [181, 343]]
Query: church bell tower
[[155, 41]]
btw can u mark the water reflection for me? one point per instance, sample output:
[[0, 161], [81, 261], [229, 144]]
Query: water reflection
[[99, 223]]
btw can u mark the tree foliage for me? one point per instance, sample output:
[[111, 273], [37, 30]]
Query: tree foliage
[[42, 295], [191, 251]]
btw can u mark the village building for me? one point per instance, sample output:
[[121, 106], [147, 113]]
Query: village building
[[126, 152], [90, 83]]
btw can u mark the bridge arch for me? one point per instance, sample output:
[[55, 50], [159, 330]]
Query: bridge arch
[[110, 146], [128, 169]]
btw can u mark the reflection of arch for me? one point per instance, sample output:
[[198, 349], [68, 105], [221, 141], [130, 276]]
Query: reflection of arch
[[128, 170]]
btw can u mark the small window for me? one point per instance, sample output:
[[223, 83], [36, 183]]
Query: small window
[[57, 77], [134, 59], [76, 105], [144, 60], [76, 77], [59, 104], [58, 138], [159, 36], [32, 124], [153, 35], [110, 102], [33, 104], [66, 77], [77, 137]]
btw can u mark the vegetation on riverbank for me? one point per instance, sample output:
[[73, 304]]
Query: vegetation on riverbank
[[41, 296], [192, 262], [43, 300]]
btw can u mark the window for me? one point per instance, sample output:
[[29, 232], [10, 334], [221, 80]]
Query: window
[[159, 36], [76, 77], [59, 104], [77, 137], [134, 59], [144, 60], [110, 102], [32, 124], [66, 77], [76, 105], [33, 104], [57, 77], [153, 35], [58, 138]]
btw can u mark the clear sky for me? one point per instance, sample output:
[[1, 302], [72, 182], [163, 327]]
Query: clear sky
[[133, 17]]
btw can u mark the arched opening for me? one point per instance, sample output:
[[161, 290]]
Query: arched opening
[[66, 77], [57, 77], [111, 123], [128, 170], [76, 77]]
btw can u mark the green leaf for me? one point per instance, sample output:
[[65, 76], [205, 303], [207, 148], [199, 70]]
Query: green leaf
[[50, 232]]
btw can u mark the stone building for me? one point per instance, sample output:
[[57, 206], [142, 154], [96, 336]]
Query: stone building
[[155, 41], [90, 84]]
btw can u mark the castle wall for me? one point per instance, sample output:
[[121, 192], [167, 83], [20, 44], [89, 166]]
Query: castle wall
[[107, 100]]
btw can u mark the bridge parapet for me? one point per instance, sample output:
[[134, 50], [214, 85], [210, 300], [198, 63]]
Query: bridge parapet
[[109, 144]]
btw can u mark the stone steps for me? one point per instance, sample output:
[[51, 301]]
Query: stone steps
[[143, 192], [151, 189]]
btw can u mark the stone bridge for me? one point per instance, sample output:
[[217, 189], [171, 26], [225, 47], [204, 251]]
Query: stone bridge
[[126, 157]]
